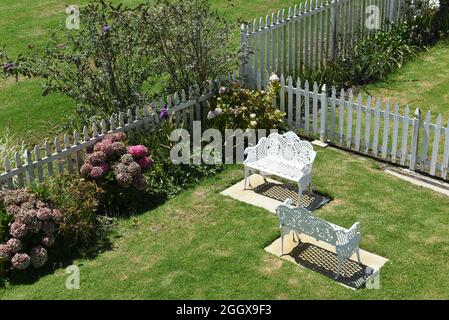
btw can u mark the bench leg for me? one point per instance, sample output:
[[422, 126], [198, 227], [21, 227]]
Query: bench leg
[[282, 243], [358, 256], [340, 264], [300, 191], [246, 178]]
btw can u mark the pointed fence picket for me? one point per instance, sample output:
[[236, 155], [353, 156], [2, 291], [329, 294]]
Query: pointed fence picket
[[309, 35], [380, 131], [67, 153]]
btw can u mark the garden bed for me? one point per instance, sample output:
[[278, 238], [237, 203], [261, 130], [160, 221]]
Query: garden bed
[[204, 245]]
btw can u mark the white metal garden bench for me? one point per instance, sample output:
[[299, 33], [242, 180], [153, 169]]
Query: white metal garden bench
[[285, 156], [300, 220]]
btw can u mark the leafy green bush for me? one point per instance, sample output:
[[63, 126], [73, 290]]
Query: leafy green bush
[[78, 201], [166, 179], [240, 108], [119, 54]]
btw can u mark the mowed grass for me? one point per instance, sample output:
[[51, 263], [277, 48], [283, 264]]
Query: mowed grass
[[23, 110], [202, 245], [422, 83]]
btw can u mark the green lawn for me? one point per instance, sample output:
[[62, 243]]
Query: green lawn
[[22, 22], [422, 83], [202, 245]]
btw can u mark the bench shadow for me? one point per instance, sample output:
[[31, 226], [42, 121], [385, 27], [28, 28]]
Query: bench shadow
[[309, 200], [353, 274]]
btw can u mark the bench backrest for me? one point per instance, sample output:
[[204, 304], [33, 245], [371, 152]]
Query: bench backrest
[[303, 221], [290, 147]]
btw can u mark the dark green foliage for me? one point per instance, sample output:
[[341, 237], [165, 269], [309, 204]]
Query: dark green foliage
[[78, 200], [166, 179]]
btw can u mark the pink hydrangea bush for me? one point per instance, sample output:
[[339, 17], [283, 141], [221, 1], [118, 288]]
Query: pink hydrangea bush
[[110, 156], [31, 230]]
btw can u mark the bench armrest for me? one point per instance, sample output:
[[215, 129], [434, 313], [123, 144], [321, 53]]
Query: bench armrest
[[348, 241], [251, 153]]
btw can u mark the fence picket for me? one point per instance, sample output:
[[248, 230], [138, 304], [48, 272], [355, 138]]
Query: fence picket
[[385, 135], [376, 129], [298, 103], [333, 109], [358, 126], [436, 145], [315, 108], [290, 101], [394, 145], [30, 167], [282, 97], [48, 154], [7, 165], [341, 119], [20, 175], [426, 139], [349, 124], [445, 163], [405, 123], [307, 107], [38, 157], [368, 125]]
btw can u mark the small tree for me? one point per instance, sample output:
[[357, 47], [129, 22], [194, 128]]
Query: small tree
[[191, 42]]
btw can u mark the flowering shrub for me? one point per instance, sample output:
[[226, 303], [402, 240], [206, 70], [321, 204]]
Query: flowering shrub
[[239, 108], [111, 159], [30, 230]]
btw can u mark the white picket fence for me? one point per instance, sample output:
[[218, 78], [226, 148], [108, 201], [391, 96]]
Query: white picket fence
[[65, 154], [309, 35], [368, 126]]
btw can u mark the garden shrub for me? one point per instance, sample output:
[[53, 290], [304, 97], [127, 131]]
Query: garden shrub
[[166, 179], [118, 170], [240, 108], [120, 54], [78, 200], [30, 231]]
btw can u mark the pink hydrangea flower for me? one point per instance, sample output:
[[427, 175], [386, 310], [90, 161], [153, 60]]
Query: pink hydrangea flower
[[134, 169], [44, 214], [138, 151], [139, 182], [38, 256], [14, 245], [145, 162], [20, 261], [96, 172], [13, 210], [104, 166], [56, 215], [120, 136], [5, 252], [18, 230]]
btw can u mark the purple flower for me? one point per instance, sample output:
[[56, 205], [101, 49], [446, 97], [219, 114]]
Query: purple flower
[[38, 256], [138, 151], [120, 136], [8, 66], [97, 172], [106, 29], [14, 245], [96, 158], [5, 252], [12, 210], [164, 113], [18, 230], [145, 163], [20, 261]]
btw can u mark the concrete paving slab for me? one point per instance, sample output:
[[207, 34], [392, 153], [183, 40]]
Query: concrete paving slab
[[269, 195], [320, 257]]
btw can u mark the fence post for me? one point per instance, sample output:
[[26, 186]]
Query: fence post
[[323, 133], [332, 47], [243, 67], [415, 139]]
